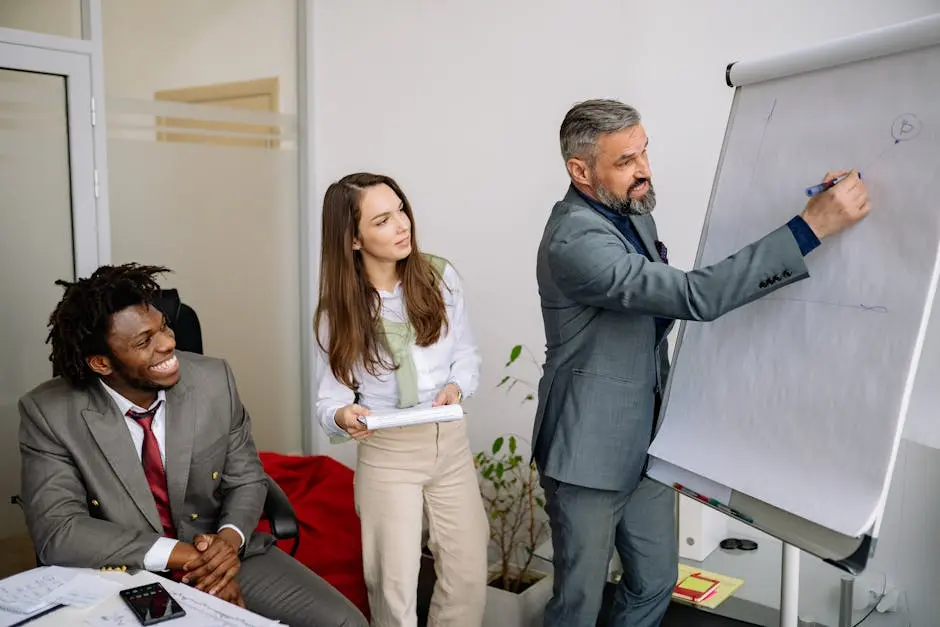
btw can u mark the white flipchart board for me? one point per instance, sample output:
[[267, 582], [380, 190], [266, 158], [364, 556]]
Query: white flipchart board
[[790, 410]]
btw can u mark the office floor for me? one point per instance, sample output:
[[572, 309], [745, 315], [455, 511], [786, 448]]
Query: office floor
[[677, 616]]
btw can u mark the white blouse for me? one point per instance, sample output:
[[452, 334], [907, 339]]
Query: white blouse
[[454, 358]]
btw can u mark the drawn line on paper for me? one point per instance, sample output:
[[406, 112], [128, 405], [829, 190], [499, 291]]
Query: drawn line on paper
[[763, 135], [905, 127], [760, 146], [862, 307]]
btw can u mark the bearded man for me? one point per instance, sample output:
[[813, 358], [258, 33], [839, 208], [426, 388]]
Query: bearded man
[[609, 298]]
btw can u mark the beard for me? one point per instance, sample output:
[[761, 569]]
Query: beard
[[625, 205]]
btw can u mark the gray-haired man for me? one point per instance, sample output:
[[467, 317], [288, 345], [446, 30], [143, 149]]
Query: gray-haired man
[[609, 298]]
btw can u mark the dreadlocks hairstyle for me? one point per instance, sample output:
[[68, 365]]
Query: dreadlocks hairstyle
[[78, 328]]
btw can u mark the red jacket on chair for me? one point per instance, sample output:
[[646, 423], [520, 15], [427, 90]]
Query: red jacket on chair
[[320, 490]]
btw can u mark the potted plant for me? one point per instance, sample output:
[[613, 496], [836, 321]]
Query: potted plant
[[517, 591]]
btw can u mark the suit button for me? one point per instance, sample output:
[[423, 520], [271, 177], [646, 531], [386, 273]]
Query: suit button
[[787, 274], [193, 516], [215, 475], [95, 502], [763, 284]]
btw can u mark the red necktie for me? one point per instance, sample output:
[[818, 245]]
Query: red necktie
[[153, 468]]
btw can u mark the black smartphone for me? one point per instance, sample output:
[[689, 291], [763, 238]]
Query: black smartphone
[[152, 604]]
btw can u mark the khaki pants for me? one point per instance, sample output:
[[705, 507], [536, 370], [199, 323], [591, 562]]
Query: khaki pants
[[402, 473]]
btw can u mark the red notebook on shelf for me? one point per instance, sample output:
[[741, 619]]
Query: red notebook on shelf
[[695, 588]]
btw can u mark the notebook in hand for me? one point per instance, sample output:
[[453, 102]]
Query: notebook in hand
[[408, 417], [695, 588]]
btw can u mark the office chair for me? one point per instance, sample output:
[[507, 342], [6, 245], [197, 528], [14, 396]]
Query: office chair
[[185, 324]]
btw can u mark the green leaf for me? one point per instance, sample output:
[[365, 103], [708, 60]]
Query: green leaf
[[540, 501], [528, 397], [514, 354], [499, 470], [497, 444], [512, 444], [503, 381]]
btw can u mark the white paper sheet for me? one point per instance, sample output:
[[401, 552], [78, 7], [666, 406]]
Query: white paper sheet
[[799, 398], [407, 417], [12, 618], [202, 610], [32, 590], [85, 590], [923, 417]]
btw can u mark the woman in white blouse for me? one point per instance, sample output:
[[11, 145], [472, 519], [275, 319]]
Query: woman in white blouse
[[393, 333]]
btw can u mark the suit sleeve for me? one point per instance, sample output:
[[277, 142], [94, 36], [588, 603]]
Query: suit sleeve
[[590, 266], [56, 505], [244, 485]]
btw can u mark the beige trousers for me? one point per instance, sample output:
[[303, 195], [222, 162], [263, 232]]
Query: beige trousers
[[402, 473]]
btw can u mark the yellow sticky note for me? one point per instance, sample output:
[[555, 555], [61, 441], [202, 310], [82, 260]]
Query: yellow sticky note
[[695, 584]]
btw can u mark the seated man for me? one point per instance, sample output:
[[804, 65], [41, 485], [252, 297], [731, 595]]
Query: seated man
[[139, 456]]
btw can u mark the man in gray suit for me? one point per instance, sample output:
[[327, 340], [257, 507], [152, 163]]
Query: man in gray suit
[[608, 300], [138, 456]]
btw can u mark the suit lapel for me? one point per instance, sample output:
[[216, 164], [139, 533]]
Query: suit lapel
[[181, 414], [113, 438], [646, 235]]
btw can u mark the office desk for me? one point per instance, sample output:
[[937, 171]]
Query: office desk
[[198, 604]]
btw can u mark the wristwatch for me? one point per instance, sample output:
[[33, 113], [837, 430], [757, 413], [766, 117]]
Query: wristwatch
[[459, 391]]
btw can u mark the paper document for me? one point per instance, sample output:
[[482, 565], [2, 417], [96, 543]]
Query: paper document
[[33, 590], [799, 399], [407, 417], [85, 590], [202, 610]]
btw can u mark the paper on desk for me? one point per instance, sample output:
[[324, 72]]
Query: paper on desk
[[12, 618], [202, 610], [85, 590], [30, 591]]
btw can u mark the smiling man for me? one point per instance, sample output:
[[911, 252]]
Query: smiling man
[[608, 299], [138, 456]]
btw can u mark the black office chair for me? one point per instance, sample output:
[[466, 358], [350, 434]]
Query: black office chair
[[185, 324]]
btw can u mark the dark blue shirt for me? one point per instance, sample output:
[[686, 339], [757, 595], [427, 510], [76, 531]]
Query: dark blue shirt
[[802, 233]]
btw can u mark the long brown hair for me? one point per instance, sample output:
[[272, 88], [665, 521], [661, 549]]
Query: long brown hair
[[351, 304]]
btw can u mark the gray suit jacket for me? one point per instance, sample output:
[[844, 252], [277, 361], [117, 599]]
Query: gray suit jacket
[[86, 498], [604, 363]]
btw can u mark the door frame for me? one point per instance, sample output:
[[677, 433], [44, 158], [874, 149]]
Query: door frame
[[80, 62], [74, 68]]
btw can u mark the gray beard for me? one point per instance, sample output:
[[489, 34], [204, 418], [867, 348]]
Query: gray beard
[[626, 205]]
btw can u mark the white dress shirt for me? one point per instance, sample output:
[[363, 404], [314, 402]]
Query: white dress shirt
[[159, 554], [452, 359]]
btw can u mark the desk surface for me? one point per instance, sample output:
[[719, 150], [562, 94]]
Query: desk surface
[[198, 604]]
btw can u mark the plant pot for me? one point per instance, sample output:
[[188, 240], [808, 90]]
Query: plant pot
[[525, 609]]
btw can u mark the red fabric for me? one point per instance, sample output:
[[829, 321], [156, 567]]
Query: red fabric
[[321, 491], [153, 468]]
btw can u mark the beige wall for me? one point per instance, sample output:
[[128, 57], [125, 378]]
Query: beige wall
[[52, 17], [224, 218]]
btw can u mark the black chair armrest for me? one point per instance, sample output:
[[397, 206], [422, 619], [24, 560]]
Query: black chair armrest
[[280, 515]]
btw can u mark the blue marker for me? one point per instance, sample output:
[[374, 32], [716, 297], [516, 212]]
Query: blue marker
[[818, 189]]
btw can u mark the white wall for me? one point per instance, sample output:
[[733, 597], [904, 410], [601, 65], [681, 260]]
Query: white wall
[[461, 102]]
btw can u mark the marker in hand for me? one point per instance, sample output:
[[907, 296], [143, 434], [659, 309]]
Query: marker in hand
[[818, 189]]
